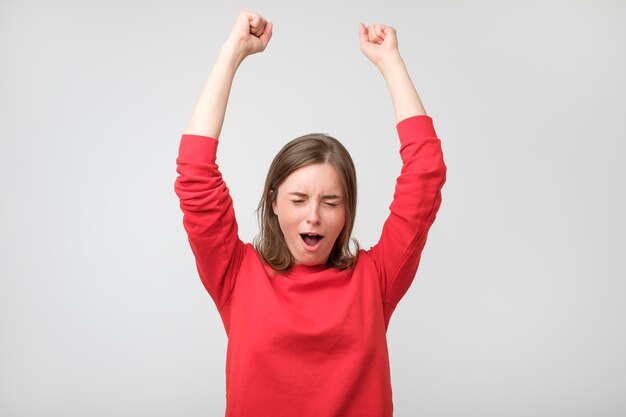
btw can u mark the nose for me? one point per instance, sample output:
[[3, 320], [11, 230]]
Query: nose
[[314, 215]]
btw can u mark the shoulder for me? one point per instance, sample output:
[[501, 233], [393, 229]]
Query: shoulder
[[364, 259]]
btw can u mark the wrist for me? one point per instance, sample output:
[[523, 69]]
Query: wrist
[[232, 55], [390, 64]]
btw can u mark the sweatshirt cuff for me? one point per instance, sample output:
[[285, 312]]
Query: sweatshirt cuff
[[416, 126], [196, 148]]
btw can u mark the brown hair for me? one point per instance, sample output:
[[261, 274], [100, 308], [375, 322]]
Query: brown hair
[[314, 148]]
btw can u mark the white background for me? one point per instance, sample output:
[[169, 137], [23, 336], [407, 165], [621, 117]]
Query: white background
[[517, 308]]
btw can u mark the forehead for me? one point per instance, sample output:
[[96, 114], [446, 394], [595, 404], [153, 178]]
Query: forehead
[[313, 179]]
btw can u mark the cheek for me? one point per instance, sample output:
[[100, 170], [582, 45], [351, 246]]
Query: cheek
[[288, 218], [338, 222]]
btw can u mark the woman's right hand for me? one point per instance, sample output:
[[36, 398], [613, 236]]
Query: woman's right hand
[[250, 34]]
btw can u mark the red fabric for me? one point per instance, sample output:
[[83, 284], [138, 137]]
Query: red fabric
[[310, 342]]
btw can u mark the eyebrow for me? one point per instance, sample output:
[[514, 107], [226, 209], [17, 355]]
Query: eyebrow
[[325, 197]]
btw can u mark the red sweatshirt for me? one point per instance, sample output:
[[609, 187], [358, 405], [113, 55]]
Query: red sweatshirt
[[310, 342]]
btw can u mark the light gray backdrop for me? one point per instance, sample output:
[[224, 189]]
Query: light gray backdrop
[[517, 306]]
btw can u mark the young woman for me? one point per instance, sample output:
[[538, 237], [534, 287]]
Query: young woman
[[306, 317]]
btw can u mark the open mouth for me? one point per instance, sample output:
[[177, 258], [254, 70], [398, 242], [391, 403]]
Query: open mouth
[[311, 239]]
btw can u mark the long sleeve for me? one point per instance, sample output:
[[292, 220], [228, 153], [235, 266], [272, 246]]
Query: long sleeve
[[208, 216], [416, 200]]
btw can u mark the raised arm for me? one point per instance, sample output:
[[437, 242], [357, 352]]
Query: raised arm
[[379, 44], [417, 196], [208, 215], [250, 34]]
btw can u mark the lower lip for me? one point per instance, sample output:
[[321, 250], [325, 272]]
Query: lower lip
[[312, 248]]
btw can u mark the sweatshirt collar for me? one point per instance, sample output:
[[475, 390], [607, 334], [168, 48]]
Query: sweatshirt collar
[[299, 269]]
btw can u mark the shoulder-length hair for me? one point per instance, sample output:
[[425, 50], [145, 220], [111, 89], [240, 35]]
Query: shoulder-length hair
[[314, 148]]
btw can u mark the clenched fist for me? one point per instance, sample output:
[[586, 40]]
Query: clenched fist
[[378, 43], [250, 34]]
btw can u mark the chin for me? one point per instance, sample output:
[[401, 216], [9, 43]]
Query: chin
[[311, 262], [307, 262]]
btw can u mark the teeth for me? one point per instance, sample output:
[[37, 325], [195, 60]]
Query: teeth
[[311, 239]]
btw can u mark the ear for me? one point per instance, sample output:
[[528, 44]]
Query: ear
[[273, 200]]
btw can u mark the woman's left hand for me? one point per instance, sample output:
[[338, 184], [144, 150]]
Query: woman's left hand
[[378, 43]]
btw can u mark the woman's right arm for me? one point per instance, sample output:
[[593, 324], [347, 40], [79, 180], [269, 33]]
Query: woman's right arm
[[208, 215], [250, 34]]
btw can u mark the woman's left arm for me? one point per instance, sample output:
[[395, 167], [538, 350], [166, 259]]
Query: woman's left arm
[[417, 196], [379, 44]]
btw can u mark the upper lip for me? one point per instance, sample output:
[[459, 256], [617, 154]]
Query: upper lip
[[312, 233]]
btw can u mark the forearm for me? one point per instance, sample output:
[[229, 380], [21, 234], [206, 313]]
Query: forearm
[[406, 101], [208, 113]]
